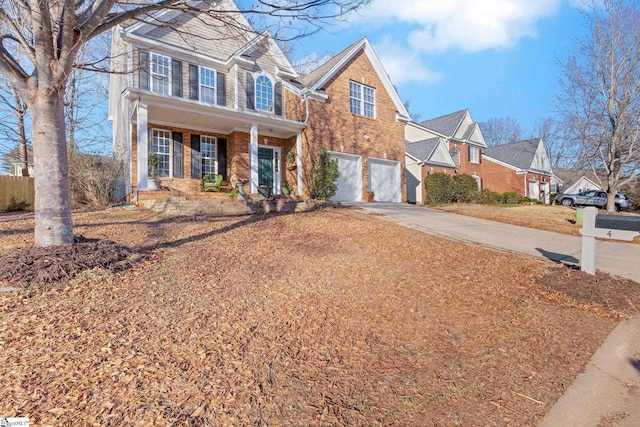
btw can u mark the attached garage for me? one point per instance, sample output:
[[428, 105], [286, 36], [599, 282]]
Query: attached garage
[[385, 180], [350, 179]]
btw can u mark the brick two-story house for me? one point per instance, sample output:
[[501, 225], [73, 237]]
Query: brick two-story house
[[451, 144], [211, 98]]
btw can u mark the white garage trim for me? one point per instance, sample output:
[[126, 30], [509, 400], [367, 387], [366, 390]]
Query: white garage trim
[[385, 180], [350, 179]]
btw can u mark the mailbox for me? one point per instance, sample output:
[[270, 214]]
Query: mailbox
[[618, 227], [618, 222]]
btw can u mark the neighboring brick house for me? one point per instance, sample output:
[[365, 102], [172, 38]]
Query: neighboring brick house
[[225, 100], [451, 144], [522, 166]]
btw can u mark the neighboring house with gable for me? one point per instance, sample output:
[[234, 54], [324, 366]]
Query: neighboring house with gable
[[451, 144], [225, 100], [521, 166], [582, 184]]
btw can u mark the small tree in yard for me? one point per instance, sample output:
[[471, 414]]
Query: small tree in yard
[[600, 98], [439, 188], [39, 49], [324, 173]]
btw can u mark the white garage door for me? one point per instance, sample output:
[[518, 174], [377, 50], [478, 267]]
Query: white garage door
[[350, 179], [385, 181]]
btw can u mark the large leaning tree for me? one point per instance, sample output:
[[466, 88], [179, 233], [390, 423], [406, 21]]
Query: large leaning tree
[[39, 45], [600, 98]]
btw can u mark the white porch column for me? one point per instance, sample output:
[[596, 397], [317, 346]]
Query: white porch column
[[299, 162], [143, 146], [253, 156]]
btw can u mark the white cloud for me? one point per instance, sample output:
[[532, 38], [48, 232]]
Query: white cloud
[[404, 65], [462, 24]]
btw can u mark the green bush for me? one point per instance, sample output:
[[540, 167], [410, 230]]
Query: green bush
[[324, 173], [489, 197], [439, 188], [510, 198], [552, 198], [16, 206], [465, 189]]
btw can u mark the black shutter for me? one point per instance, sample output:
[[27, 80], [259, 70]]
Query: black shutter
[[178, 171], [222, 89], [193, 82], [196, 159], [277, 101], [176, 77], [469, 153], [479, 155], [222, 158], [250, 90], [143, 69]]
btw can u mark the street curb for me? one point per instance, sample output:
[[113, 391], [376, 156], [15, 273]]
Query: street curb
[[608, 391]]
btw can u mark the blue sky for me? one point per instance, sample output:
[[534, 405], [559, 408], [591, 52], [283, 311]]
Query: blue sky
[[495, 57]]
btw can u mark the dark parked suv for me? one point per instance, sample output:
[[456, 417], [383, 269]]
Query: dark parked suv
[[595, 198]]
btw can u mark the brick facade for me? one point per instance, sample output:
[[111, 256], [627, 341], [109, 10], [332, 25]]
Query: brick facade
[[332, 125]]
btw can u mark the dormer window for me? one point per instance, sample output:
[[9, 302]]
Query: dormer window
[[160, 67], [362, 99], [264, 93]]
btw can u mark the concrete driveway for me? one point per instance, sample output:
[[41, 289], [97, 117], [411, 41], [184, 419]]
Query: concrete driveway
[[619, 259]]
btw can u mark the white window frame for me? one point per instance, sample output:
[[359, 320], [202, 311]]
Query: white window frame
[[456, 157], [259, 102], [208, 164], [362, 99], [162, 150], [157, 76], [202, 85], [474, 154]]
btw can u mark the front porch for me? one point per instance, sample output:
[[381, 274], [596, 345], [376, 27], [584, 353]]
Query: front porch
[[215, 141]]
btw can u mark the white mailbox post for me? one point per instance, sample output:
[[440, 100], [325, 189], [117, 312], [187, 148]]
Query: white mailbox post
[[606, 227]]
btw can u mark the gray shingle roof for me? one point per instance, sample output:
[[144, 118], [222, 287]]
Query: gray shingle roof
[[445, 125], [311, 78], [422, 150], [519, 154]]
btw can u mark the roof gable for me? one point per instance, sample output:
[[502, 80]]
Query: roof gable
[[529, 155], [316, 80], [432, 150], [265, 45], [200, 34], [446, 125]]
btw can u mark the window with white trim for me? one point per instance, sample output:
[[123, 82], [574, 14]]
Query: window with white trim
[[362, 99], [162, 149], [455, 156], [474, 154], [207, 85], [264, 93], [208, 154], [160, 69]]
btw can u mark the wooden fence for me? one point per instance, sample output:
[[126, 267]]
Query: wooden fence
[[19, 188]]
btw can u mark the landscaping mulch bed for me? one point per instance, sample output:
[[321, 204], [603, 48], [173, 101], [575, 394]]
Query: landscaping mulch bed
[[321, 318]]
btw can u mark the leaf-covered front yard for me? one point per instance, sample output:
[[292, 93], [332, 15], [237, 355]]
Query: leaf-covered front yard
[[330, 317]]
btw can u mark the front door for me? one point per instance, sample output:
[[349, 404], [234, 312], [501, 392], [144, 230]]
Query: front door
[[265, 167]]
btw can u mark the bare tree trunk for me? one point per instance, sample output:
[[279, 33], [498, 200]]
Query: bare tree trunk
[[52, 210], [23, 153]]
